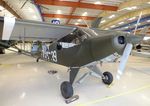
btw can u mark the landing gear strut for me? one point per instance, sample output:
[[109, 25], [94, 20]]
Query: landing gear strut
[[95, 71], [66, 86]]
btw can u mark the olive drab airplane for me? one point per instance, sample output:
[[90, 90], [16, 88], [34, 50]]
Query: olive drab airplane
[[73, 47]]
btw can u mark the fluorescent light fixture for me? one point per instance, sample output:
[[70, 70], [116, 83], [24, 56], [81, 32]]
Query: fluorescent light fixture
[[106, 28], [1, 8], [134, 7], [35, 17], [148, 2], [76, 23], [59, 12], [30, 10], [84, 14], [121, 23], [112, 26], [79, 20], [132, 18], [131, 8], [148, 20], [97, 2], [112, 16], [103, 21], [126, 27], [57, 18], [146, 38]]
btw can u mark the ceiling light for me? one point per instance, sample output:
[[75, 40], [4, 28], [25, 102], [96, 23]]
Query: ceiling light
[[148, 20], [106, 28], [148, 2], [76, 23], [35, 17], [132, 18], [59, 12], [57, 18], [97, 2], [134, 7], [30, 9], [1, 8], [126, 27], [84, 14], [112, 16], [121, 23], [79, 20], [103, 21], [131, 8], [112, 26], [146, 38]]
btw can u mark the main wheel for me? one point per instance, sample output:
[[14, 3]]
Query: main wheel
[[108, 78], [2, 51], [66, 89]]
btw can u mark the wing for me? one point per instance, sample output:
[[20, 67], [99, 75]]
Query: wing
[[16, 29]]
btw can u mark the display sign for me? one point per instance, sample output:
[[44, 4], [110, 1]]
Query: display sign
[[55, 21]]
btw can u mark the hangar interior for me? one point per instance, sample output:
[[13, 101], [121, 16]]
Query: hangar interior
[[25, 80]]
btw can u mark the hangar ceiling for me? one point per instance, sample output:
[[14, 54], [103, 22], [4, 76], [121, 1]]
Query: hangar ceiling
[[24, 8], [118, 14]]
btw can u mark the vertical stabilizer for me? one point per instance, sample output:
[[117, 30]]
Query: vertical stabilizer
[[96, 22]]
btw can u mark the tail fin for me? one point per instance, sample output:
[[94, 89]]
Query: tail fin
[[96, 22]]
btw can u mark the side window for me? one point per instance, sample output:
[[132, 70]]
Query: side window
[[65, 45]]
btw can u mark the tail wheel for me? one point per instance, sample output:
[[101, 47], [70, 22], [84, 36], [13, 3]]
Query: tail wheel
[[66, 89], [108, 78]]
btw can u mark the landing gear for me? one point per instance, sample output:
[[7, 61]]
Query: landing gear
[[66, 86], [66, 89], [2, 51], [108, 78], [37, 60]]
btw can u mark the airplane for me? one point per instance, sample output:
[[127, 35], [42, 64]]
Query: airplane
[[73, 46]]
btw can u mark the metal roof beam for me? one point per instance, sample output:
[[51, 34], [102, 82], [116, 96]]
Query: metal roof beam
[[68, 16], [72, 11], [128, 3], [144, 11], [78, 25], [6, 6], [76, 4]]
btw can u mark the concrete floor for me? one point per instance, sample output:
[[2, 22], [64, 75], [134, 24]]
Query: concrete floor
[[23, 82]]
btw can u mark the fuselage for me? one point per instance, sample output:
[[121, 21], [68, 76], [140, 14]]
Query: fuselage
[[89, 50]]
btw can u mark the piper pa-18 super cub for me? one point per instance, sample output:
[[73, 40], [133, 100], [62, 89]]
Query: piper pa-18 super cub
[[85, 46]]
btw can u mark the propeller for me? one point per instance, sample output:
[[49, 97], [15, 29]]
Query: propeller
[[126, 52]]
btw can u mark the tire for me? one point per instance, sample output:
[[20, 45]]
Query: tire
[[2, 51], [108, 78], [66, 89]]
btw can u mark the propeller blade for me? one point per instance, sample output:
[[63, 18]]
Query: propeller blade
[[124, 59], [127, 51]]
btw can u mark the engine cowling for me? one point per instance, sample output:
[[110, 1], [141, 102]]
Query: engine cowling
[[119, 43]]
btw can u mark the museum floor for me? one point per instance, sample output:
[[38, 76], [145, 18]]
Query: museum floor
[[23, 82]]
